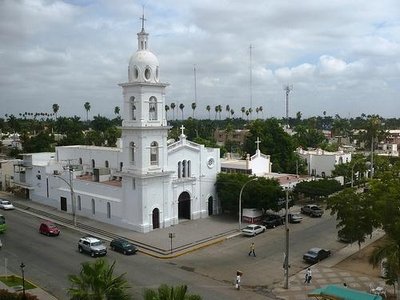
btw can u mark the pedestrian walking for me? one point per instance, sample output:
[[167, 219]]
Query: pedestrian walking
[[308, 276], [252, 249], [238, 277]]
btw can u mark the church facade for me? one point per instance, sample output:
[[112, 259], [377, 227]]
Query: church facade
[[147, 182]]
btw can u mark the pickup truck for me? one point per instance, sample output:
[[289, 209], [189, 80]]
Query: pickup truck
[[312, 210]]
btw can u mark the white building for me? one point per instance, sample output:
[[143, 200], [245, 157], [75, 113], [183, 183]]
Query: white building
[[258, 164], [322, 163], [142, 185]]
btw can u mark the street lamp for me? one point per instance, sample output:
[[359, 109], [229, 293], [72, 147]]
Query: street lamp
[[70, 184], [22, 266], [286, 261], [240, 201]]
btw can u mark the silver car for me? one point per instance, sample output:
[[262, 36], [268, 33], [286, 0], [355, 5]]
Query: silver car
[[5, 204], [253, 229]]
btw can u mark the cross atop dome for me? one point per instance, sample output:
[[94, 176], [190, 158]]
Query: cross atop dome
[[143, 19]]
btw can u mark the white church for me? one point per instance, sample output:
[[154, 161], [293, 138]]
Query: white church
[[145, 183]]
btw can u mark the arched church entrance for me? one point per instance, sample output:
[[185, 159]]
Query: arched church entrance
[[184, 206], [156, 218], [210, 206]]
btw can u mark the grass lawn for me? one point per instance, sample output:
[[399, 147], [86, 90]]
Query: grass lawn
[[13, 280]]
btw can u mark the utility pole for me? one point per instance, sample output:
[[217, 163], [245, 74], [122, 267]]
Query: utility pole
[[286, 261]]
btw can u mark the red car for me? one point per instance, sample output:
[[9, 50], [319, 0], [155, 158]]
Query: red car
[[49, 228]]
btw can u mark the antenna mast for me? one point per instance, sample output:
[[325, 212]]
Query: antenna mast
[[287, 88], [195, 84], [251, 82]]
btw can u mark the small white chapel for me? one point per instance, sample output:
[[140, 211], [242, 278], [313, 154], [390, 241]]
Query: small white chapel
[[147, 181]]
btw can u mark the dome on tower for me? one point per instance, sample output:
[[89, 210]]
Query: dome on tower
[[143, 67]]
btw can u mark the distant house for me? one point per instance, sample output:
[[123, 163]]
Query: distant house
[[322, 163]]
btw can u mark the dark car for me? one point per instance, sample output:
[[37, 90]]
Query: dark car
[[315, 255], [48, 229], [272, 220], [123, 246]]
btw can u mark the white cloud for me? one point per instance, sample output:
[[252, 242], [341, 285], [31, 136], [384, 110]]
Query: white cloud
[[334, 53]]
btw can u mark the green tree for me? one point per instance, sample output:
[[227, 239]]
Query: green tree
[[317, 188], [42, 142], [96, 281], [354, 214], [117, 110], [165, 292], [262, 193], [275, 142], [87, 108]]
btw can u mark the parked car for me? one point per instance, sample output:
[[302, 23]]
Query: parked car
[[253, 229], [315, 255], [92, 245], [293, 218], [123, 246], [312, 210], [48, 229], [272, 220], [5, 204]]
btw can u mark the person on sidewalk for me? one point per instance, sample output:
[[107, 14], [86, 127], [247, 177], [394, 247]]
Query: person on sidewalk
[[252, 249], [238, 276], [308, 276]]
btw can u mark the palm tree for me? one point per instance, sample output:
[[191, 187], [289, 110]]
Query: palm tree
[[257, 110], [194, 107], [216, 111], [243, 110], [232, 112], [208, 108], [173, 110], [166, 111], [389, 252], [87, 108], [97, 281], [56, 107], [165, 292], [117, 110], [228, 110], [261, 109], [219, 111], [181, 107], [247, 114]]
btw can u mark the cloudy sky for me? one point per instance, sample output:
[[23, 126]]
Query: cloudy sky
[[340, 56]]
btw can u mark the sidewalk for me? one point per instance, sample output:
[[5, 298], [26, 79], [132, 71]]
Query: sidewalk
[[325, 273]]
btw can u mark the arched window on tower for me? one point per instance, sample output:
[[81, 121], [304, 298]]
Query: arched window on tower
[[132, 152], [133, 108], [189, 167], [106, 164], [184, 168], [93, 163], [153, 108], [179, 169], [93, 207], [80, 160], [154, 153]]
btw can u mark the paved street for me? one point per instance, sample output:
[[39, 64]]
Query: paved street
[[209, 254]]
